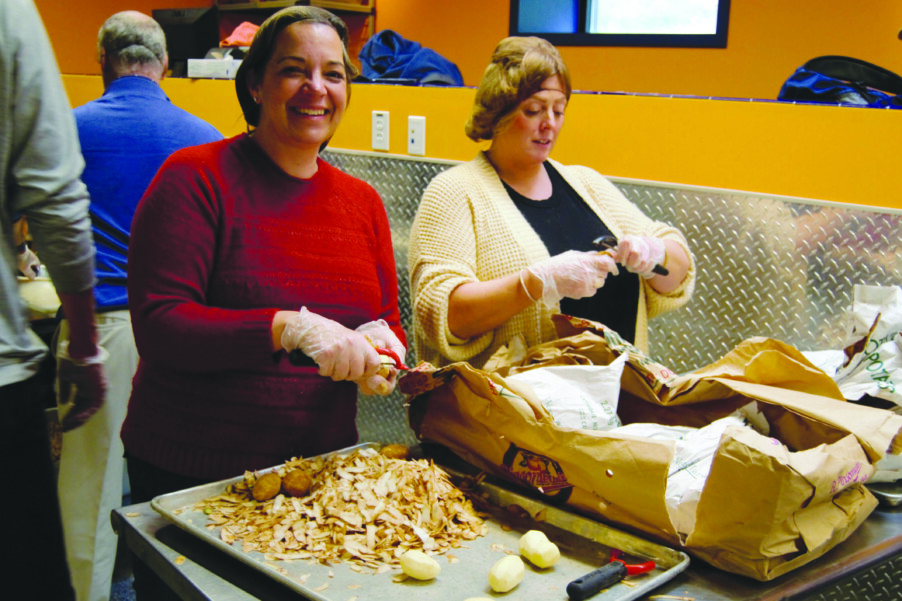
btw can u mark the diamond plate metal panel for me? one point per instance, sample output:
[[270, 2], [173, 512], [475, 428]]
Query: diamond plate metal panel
[[400, 182], [881, 583], [766, 266]]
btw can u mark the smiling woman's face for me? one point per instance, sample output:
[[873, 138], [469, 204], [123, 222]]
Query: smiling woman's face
[[304, 90], [532, 132]]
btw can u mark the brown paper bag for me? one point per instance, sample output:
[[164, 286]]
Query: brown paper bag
[[768, 506]]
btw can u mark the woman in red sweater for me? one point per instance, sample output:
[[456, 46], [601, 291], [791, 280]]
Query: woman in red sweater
[[245, 249]]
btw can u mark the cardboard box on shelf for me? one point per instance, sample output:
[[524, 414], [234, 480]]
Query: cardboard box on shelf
[[213, 68]]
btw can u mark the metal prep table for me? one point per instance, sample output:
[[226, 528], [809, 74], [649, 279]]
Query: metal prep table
[[855, 569]]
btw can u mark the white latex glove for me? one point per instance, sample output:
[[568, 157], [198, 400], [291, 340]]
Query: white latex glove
[[572, 274], [381, 336], [340, 353], [640, 254], [29, 264]]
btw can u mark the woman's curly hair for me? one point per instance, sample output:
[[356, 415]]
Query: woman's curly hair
[[518, 68]]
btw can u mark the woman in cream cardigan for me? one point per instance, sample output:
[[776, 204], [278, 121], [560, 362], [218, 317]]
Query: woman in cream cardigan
[[502, 242]]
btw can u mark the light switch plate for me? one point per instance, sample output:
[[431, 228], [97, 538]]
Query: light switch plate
[[416, 135], [380, 130]]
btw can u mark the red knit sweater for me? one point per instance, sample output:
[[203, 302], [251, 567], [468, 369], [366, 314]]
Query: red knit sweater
[[222, 240]]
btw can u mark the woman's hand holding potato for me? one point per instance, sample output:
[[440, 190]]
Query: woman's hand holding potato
[[340, 353], [381, 336]]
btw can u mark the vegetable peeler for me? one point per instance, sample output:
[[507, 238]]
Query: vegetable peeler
[[610, 242], [605, 576]]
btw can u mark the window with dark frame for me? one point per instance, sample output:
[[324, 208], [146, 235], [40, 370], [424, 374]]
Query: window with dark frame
[[652, 23]]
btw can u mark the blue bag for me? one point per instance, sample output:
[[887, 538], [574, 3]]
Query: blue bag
[[844, 80], [388, 57]]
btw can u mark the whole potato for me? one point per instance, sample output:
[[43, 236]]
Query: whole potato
[[396, 451], [297, 483], [267, 486]]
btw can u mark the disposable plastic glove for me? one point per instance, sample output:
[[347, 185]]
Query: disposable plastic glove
[[29, 264], [340, 353], [640, 254], [381, 336], [572, 274], [81, 386]]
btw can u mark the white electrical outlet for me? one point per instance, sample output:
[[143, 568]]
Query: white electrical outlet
[[416, 135], [380, 130]]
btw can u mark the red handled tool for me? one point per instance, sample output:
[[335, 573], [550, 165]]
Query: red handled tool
[[605, 577], [393, 356]]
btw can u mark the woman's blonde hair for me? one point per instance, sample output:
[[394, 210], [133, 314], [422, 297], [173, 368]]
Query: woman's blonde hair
[[518, 68]]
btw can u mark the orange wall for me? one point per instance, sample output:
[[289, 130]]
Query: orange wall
[[763, 147], [768, 39], [72, 26], [838, 154]]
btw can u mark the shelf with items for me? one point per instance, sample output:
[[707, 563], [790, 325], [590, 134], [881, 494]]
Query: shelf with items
[[235, 4], [362, 6], [358, 15]]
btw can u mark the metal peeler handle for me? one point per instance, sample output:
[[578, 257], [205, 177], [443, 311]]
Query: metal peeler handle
[[610, 242]]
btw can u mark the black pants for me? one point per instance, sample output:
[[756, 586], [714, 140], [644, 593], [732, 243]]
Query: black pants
[[148, 481], [33, 530]]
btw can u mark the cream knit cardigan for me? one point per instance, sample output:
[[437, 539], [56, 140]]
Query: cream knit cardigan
[[467, 229]]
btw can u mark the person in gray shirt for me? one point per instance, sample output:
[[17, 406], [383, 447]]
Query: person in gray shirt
[[40, 167]]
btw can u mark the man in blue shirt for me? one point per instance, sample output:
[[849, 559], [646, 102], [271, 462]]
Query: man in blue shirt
[[125, 136]]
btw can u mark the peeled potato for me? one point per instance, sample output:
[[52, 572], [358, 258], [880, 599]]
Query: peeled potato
[[267, 486], [417, 564], [387, 364], [506, 573], [540, 551]]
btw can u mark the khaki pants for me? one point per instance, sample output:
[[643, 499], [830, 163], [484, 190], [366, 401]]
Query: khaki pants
[[92, 465]]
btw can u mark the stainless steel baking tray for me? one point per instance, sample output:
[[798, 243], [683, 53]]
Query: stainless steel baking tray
[[887, 493], [585, 545]]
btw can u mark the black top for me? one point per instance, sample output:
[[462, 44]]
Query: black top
[[565, 222]]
